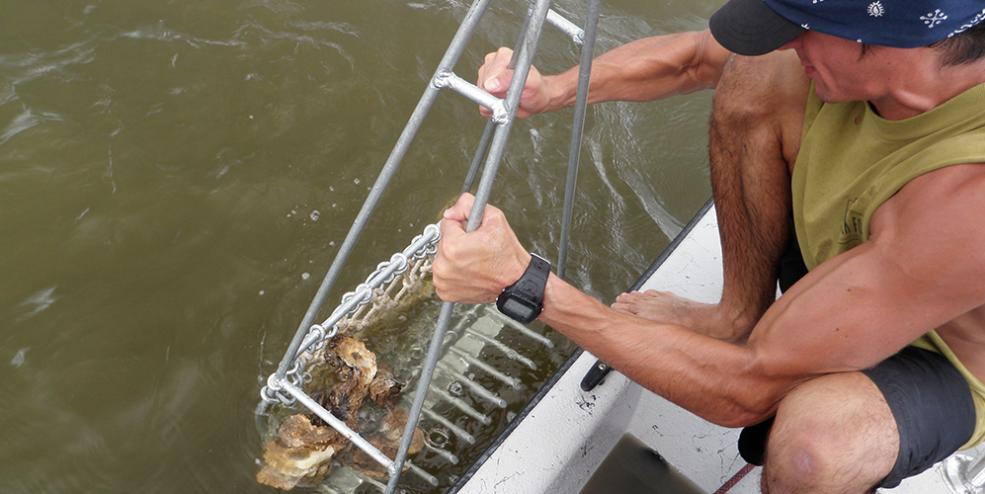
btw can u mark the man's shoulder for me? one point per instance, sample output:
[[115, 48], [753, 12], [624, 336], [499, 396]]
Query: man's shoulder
[[945, 196]]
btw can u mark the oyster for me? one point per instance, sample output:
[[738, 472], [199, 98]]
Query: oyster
[[300, 453], [302, 450]]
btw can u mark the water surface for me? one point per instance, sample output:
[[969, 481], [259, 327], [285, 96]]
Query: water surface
[[176, 176]]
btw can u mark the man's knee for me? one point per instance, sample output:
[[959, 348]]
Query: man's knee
[[802, 458], [761, 97], [832, 434]]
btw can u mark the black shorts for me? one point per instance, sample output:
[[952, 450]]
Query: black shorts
[[930, 400]]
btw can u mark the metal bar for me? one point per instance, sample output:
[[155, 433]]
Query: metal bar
[[503, 347], [510, 323], [464, 407], [577, 129], [474, 386], [444, 453], [480, 153], [566, 26], [483, 147], [373, 482], [431, 479], [976, 473], [497, 147], [456, 430], [448, 61], [338, 425], [471, 91], [488, 369]]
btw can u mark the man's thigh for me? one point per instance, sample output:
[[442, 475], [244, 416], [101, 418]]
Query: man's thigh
[[851, 432]]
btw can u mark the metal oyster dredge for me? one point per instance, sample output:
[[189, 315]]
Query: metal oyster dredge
[[302, 451]]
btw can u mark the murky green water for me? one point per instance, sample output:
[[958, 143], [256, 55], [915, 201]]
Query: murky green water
[[176, 176]]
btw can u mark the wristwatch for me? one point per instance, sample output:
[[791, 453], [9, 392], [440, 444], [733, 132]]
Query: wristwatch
[[522, 301]]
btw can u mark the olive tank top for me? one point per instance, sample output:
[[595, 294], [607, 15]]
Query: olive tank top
[[851, 160]]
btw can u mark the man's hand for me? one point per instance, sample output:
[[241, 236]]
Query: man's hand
[[495, 77], [475, 267]]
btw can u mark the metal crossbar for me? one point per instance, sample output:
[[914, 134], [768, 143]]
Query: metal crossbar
[[285, 386]]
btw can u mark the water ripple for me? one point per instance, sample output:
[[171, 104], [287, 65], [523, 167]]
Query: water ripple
[[21, 68], [161, 32], [37, 303]]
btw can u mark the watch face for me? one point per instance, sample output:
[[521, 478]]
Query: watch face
[[517, 309]]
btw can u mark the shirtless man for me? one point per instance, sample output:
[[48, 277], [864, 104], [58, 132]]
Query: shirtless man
[[876, 149]]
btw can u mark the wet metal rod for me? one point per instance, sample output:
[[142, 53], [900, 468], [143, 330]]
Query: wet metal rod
[[577, 130], [448, 61], [487, 133], [497, 147], [337, 424]]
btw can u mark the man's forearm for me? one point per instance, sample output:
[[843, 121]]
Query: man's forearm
[[716, 380], [646, 69]]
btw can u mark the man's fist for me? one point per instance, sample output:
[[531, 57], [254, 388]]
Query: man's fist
[[475, 267], [495, 77]]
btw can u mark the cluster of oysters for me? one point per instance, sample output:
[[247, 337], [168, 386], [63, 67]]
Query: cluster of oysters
[[345, 377]]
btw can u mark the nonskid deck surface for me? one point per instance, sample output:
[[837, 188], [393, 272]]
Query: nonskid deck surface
[[558, 446]]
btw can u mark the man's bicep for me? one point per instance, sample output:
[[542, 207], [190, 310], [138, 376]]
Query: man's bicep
[[922, 268], [932, 227]]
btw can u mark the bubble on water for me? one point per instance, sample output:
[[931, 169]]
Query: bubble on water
[[314, 215], [355, 181], [331, 243], [456, 389], [305, 275], [331, 189], [334, 205], [251, 117], [19, 357], [438, 437], [262, 292]]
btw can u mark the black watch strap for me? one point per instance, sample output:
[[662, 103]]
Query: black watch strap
[[524, 299]]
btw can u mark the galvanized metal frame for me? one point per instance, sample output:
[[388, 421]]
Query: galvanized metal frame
[[287, 378]]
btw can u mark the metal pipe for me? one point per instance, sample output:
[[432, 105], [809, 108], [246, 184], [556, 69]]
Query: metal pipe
[[337, 424], [510, 323], [484, 367], [976, 473], [476, 388], [472, 92], [480, 153], [577, 130], [498, 146], [487, 133], [448, 62], [566, 26]]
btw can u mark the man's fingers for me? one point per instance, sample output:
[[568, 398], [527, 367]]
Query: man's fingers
[[451, 229], [494, 80], [460, 210]]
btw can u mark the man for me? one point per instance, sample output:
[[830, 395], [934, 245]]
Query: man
[[866, 121]]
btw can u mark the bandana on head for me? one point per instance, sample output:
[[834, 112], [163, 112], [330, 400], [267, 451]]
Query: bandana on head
[[899, 23]]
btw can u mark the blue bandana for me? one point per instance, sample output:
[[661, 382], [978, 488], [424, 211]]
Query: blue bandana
[[899, 23]]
